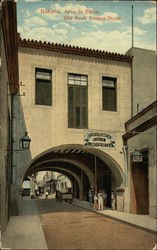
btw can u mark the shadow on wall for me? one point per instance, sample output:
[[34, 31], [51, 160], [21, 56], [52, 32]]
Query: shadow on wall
[[20, 157]]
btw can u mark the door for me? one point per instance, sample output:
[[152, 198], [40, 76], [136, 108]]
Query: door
[[139, 186]]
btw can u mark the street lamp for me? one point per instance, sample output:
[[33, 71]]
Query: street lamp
[[25, 141], [136, 156]]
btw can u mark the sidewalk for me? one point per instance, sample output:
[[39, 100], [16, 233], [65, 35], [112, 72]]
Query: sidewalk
[[141, 221], [24, 231]]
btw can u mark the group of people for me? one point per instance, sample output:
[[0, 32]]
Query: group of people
[[100, 199]]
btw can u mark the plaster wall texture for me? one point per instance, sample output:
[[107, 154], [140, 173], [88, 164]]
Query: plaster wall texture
[[4, 124], [142, 141], [144, 78], [47, 126]]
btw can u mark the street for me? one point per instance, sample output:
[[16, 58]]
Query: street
[[67, 226]]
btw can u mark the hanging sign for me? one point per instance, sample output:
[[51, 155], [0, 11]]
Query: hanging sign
[[100, 139]]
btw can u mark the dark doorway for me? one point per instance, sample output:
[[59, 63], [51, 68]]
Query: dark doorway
[[139, 186], [86, 187], [107, 188]]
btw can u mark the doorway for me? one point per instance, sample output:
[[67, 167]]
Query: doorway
[[140, 185]]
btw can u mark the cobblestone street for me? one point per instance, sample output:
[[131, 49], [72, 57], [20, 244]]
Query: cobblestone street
[[70, 227]]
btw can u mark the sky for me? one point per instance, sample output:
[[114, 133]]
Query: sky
[[102, 25]]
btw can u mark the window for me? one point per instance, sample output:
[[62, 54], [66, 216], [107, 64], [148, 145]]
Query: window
[[43, 87], [109, 94], [77, 101]]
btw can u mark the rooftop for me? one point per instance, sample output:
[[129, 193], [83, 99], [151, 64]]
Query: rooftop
[[73, 50]]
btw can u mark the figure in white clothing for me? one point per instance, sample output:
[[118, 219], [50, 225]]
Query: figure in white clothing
[[100, 200], [113, 201], [95, 201]]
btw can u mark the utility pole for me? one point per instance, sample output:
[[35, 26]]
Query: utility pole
[[132, 26]]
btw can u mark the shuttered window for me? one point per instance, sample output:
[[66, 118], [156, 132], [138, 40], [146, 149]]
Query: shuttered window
[[77, 101], [109, 95], [43, 87]]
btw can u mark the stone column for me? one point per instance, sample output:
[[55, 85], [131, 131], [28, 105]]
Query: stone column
[[120, 198]]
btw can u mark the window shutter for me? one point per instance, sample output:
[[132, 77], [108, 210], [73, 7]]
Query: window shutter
[[43, 87], [109, 93], [77, 105], [84, 117], [77, 101], [77, 96], [77, 117], [70, 107], [84, 107], [84, 96]]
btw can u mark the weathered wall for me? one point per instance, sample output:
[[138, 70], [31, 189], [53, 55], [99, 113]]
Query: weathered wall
[[146, 139], [4, 135], [47, 126], [144, 78]]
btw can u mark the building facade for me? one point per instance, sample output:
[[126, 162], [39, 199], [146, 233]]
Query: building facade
[[141, 135], [85, 113], [144, 89], [74, 108], [8, 88]]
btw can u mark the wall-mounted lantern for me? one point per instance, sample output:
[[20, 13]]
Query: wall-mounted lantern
[[136, 156], [25, 141]]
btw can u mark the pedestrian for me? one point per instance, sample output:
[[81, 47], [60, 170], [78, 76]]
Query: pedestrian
[[60, 197], [100, 200], [90, 198], [113, 201], [104, 198], [32, 195], [47, 193], [95, 201], [56, 195]]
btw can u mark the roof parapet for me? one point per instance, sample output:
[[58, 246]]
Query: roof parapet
[[75, 50]]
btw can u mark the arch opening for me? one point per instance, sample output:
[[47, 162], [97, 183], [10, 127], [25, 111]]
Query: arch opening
[[89, 167]]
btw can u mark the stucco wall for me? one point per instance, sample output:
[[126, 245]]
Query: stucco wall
[[144, 78], [142, 141], [47, 126], [4, 123]]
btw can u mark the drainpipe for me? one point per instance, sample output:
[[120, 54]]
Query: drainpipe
[[132, 89], [12, 139], [125, 151]]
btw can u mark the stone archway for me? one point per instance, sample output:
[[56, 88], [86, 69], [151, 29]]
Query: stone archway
[[81, 149], [79, 160]]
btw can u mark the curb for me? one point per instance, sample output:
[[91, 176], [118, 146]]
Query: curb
[[41, 229], [118, 219]]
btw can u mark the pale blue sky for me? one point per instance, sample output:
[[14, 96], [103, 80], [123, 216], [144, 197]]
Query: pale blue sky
[[47, 21]]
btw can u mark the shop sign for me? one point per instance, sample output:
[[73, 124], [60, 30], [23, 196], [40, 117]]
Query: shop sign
[[100, 139]]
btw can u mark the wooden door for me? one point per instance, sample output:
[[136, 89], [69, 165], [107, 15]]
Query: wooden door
[[139, 183]]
